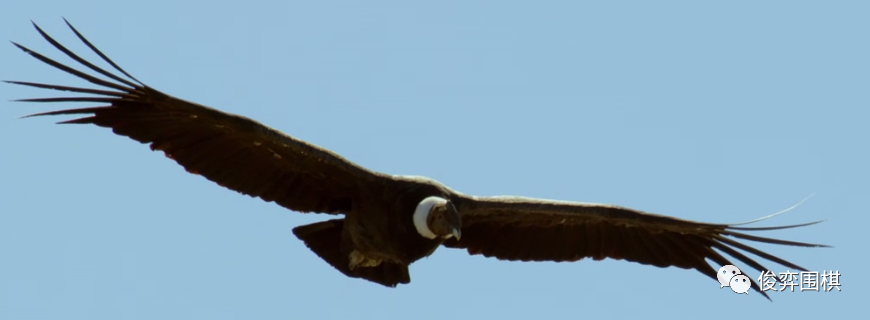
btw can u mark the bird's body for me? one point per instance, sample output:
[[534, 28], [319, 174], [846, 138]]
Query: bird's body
[[381, 227], [387, 222]]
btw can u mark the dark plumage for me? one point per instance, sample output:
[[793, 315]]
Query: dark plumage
[[388, 221]]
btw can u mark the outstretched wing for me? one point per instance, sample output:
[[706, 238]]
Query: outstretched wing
[[233, 151], [516, 228]]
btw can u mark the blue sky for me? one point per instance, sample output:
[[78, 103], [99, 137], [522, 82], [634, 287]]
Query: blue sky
[[711, 112]]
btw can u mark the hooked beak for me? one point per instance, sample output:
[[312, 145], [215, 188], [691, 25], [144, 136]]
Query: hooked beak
[[457, 233]]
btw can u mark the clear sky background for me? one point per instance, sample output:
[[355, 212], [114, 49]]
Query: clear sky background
[[712, 112]]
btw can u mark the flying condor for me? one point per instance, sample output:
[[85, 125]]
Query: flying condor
[[384, 222]]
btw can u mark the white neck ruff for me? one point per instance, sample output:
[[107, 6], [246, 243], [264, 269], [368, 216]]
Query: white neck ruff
[[421, 214]]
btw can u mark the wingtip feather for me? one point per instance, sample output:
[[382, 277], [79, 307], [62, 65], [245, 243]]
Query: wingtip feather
[[775, 214]]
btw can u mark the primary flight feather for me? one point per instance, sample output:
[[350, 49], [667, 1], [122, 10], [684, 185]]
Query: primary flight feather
[[389, 221]]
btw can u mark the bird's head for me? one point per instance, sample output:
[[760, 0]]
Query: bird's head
[[436, 217]]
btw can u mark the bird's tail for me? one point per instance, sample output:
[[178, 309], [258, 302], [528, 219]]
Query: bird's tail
[[324, 238]]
